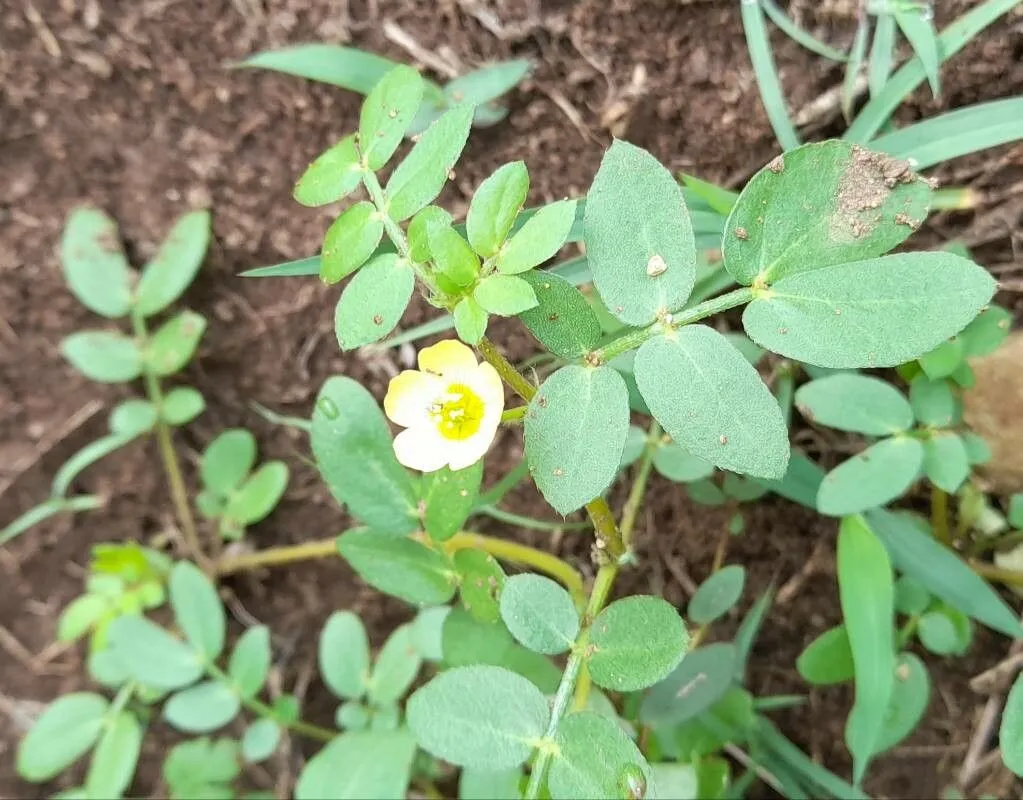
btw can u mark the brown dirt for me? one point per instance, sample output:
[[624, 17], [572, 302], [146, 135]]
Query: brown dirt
[[128, 106]]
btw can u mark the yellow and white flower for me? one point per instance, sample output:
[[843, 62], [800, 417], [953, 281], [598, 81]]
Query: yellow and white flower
[[451, 408]]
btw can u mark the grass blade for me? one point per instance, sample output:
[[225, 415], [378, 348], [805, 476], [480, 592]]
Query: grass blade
[[798, 35], [854, 66], [867, 594], [954, 198], [917, 25], [957, 133], [951, 40], [767, 74], [347, 67], [84, 458], [882, 52], [274, 418], [52, 507], [748, 631], [768, 736]]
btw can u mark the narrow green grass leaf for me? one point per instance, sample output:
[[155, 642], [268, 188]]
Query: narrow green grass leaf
[[878, 111], [854, 66], [798, 35], [867, 595], [759, 46], [44, 511], [85, 458], [882, 52], [1010, 733], [917, 25], [915, 553], [347, 67]]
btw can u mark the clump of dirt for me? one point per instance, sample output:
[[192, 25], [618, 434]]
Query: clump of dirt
[[989, 412]]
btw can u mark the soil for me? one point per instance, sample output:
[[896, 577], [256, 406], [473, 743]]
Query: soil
[[129, 106]]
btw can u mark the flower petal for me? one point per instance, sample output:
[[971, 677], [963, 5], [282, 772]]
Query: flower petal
[[465, 453], [487, 384], [421, 448], [409, 395], [447, 357]]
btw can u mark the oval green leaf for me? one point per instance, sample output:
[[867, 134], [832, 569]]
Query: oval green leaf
[[94, 264], [350, 241], [449, 497], [353, 449], [65, 731], [875, 477], [260, 740], [396, 667], [197, 609], [494, 207], [703, 678], [250, 661], [818, 205], [910, 695], [403, 568], [712, 401], [866, 589], [635, 642], [175, 342], [1010, 734], [115, 757], [174, 267], [563, 321], [333, 175], [856, 403], [258, 496], [540, 238], [717, 595], [877, 313], [594, 758], [481, 717], [506, 295], [344, 655], [639, 239], [227, 460], [103, 356], [418, 179], [480, 581], [387, 112], [827, 659], [202, 708], [372, 304], [679, 465], [934, 402], [360, 764], [946, 463], [575, 433], [152, 656], [539, 613], [181, 405]]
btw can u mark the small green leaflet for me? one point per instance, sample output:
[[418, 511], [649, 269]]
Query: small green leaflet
[[260, 740], [449, 497], [257, 497], [679, 465], [115, 757], [334, 174], [64, 732], [712, 401], [181, 405], [506, 295], [352, 445], [481, 717], [480, 581], [1010, 734], [539, 613], [945, 631], [197, 609], [152, 656], [875, 477], [856, 403], [934, 402], [418, 179], [910, 695], [946, 462], [227, 460], [132, 417], [174, 343], [400, 567], [877, 313], [717, 595], [944, 359], [419, 231], [373, 302], [987, 331], [575, 433], [639, 239], [470, 321], [916, 553], [103, 356], [94, 264], [476, 784], [820, 205], [563, 321], [344, 655], [202, 708], [396, 667], [540, 238], [350, 241], [867, 595], [827, 659], [360, 764], [594, 758], [172, 270], [636, 642], [250, 661], [703, 678], [387, 113], [494, 207]]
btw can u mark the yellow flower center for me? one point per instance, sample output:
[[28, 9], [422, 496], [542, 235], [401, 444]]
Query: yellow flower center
[[458, 413]]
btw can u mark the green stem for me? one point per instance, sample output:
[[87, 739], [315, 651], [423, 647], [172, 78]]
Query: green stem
[[686, 316], [939, 516], [566, 688], [528, 522], [262, 709], [635, 500], [505, 370], [165, 444], [275, 556], [1010, 539], [514, 414]]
